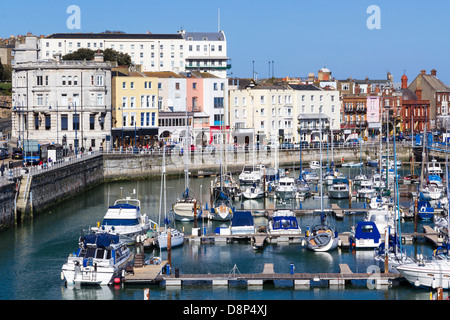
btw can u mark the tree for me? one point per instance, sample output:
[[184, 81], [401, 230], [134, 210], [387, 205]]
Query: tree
[[122, 59]]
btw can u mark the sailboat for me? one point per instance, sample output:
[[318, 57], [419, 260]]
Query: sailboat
[[176, 237], [321, 237], [187, 208], [391, 250], [253, 192], [434, 272]]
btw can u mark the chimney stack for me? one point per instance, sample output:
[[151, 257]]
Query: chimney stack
[[422, 72], [433, 72]]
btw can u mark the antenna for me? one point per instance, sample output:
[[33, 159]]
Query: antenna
[[218, 20]]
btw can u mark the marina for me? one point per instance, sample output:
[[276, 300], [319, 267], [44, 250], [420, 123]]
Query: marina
[[208, 254]]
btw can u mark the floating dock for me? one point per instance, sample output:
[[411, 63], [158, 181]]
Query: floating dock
[[344, 276]]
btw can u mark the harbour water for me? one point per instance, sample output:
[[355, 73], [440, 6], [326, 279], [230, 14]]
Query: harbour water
[[31, 255]]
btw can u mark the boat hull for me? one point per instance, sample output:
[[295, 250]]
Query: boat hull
[[430, 275], [176, 239], [338, 194]]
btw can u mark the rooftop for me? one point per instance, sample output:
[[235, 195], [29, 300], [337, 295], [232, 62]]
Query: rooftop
[[135, 36]]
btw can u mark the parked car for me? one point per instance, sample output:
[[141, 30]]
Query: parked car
[[351, 143], [287, 145], [17, 153]]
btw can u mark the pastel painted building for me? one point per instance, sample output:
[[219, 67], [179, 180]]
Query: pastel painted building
[[134, 109]]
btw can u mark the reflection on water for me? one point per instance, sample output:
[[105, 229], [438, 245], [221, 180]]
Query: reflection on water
[[32, 254]]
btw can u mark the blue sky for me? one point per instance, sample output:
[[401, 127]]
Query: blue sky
[[299, 36]]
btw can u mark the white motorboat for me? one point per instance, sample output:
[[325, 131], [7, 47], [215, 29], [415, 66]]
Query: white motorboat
[[100, 258], [310, 176], [431, 192], [284, 222], [431, 273], [253, 192], [242, 223], [366, 191], [338, 190], [176, 238], [352, 164], [314, 164], [365, 235], [286, 188], [251, 174], [434, 167], [357, 180], [124, 218], [382, 218], [378, 181]]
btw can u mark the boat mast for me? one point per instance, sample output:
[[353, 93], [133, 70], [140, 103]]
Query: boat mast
[[448, 193], [397, 199], [186, 158], [321, 174]]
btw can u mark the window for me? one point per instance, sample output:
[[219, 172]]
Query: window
[[76, 122], [218, 102], [131, 85], [92, 121], [75, 80], [36, 122], [48, 122], [132, 102], [142, 118], [177, 86], [262, 99], [40, 100], [153, 119], [64, 79], [194, 85], [100, 99], [99, 80], [147, 122], [124, 85], [64, 122], [124, 102]]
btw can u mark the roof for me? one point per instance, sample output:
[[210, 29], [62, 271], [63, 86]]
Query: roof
[[200, 36], [436, 83], [408, 94], [305, 87], [141, 36], [164, 74], [313, 116]]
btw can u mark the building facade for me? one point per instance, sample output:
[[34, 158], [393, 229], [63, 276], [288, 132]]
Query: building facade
[[63, 102], [179, 52], [134, 109]]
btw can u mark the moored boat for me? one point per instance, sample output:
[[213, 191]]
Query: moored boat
[[100, 258], [124, 219]]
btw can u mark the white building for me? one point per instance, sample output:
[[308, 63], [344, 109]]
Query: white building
[[182, 51], [56, 101], [259, 112]]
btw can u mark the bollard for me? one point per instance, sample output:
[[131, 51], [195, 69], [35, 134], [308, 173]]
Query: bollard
[[292, 268], [168, 269]]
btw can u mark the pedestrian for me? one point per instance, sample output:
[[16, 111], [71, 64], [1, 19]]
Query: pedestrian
[[2, 168]]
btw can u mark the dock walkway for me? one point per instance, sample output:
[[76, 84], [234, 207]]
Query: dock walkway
[[344, 276]]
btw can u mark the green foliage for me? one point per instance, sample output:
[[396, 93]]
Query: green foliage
[[122, 59]]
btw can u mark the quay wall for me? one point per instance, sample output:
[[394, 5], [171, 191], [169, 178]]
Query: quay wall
[[53, 186], [7, 197], [134, 166]]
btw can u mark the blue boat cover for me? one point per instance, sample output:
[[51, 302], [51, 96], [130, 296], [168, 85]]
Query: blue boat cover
[[102, 240], [123, 206], [367, 230], [285, 223], [242, 218]]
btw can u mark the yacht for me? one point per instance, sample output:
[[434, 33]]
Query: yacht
[[176, 238], [284, 222], [314, 164], [382, 218], [434, 167], [322, 237], [365, 236], [124, 219], [251, 175], [286, 188], [366, 190], [187, 209], [339, 189], [430, 273], [253, 192], [100, 258]]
